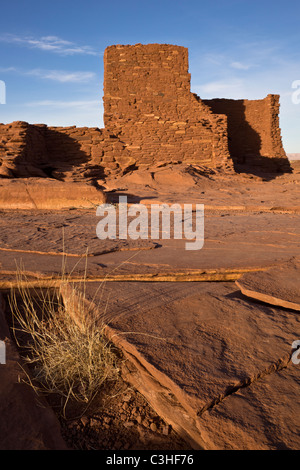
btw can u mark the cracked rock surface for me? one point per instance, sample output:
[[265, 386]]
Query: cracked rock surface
[[210, 362], [191, 352]]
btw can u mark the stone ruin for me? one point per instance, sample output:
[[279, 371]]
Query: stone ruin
[[151, 117]]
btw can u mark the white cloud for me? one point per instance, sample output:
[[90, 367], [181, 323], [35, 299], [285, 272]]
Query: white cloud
[[7, 69], [62, 76], [214, 59], [84, 104], [240, 66], [80, 113], [50, 44], [232, 88]]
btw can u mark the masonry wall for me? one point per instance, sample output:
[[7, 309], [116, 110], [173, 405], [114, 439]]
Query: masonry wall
[[83, 152], [149, 106], [22, 149], [150, 117], [253, 128], [65, 153], [12, 143], [73, 153]]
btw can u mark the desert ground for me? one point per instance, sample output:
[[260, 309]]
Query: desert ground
[[206, 338]]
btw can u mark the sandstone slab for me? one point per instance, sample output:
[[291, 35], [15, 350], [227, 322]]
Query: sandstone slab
[[187, 351], [277, 286], [264, 416], [46, 243], [70, 232], [44, 193]]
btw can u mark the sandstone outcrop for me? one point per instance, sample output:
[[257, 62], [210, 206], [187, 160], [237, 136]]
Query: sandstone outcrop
[[37, 193], [278, 286]]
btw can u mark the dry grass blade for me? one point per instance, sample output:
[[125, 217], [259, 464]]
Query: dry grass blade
[[66, 357]]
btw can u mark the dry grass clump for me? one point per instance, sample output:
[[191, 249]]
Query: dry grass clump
[[68, 357]]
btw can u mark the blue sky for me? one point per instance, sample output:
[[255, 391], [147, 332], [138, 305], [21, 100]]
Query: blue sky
[[51, 53]]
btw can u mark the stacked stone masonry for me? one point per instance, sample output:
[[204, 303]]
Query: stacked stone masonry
[[253, 127], [149, 106], [151, 117]]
